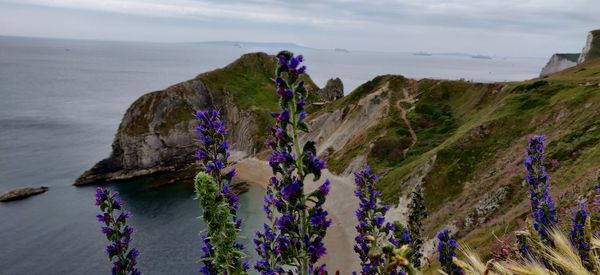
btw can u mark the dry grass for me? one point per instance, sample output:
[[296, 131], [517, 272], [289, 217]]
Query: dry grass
[[563, 258]]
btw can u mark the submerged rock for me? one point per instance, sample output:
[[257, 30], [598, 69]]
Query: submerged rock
[[22, 193]]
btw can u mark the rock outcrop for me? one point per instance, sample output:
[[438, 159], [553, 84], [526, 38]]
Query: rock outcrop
[[332, 130], [334, 89], [157, 134], [591, 49], [22, 193], [559, 62], [562, 61]]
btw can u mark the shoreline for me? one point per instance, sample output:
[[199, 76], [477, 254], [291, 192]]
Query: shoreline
[[341, 205]]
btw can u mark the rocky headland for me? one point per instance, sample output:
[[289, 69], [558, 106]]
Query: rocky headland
[[156, 134], [561, 61]]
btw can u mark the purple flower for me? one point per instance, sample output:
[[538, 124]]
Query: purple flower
[[379, 219], [284, 116], [301, 103], [542, 205], [597, 199], [302, 70], [319, 218], [446, 248], [105, 217], [106, 230], [117, 232], [298, 222], [314, 162], [371, 227], [577, 235], [290, 190], [302, 116], [285, 222], [282, 60], [211, 131], [213, 154], [317, 249], [293, 63], [324, 188]]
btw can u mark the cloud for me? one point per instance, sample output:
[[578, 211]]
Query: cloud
[[377, 24], [511, 14]]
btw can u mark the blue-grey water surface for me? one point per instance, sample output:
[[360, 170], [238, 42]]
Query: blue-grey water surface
[[60, 104]]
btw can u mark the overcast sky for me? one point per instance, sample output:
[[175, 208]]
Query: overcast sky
[[493, 27]]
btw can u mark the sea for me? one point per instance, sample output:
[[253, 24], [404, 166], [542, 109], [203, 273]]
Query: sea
[[61, 102]]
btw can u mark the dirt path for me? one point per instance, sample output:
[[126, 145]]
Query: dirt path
[[403, 112], [341, 205]]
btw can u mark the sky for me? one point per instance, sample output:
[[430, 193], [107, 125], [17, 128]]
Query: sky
[[536, 28]]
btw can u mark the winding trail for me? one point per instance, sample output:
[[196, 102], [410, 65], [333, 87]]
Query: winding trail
[[403, 112], [341, 205]]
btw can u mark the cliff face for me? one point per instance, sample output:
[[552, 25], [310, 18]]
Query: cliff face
[[591, 49], [559, 62], [157, 131]]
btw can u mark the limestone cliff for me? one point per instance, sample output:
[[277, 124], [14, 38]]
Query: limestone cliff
[[157, 131], [559, 62], [591, 49]]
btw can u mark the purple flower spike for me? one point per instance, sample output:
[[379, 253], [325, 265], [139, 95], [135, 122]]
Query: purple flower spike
[[542, 205], [213, 154], [298, 222], [373, 231], [446, 248], [577, 235], [117, 232]]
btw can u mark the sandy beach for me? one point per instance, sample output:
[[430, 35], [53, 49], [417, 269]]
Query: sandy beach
[[341, 205]]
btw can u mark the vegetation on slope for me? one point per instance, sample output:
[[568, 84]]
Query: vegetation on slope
[[249, 80], [476, 132]]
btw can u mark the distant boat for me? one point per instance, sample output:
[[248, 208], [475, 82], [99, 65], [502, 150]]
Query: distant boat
[[422, 54], [239, 45], [341, 50], [478, 56]]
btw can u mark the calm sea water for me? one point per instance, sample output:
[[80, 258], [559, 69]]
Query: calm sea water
[[60, 104]]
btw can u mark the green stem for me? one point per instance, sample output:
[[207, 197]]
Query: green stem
[[303, 224]]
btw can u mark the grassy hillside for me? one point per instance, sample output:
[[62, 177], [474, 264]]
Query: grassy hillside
[[249, 81], [472, 136]]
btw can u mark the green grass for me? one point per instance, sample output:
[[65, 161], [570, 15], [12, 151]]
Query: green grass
[[249, 81]]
